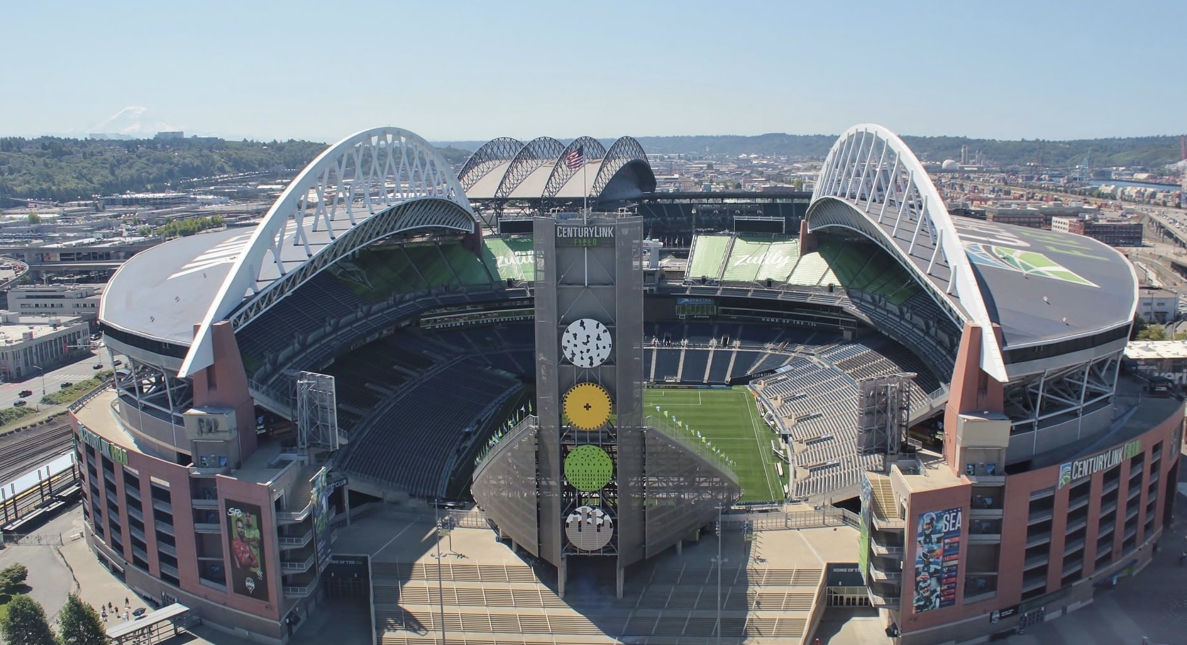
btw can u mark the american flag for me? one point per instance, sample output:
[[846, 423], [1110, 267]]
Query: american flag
[[576, 158]]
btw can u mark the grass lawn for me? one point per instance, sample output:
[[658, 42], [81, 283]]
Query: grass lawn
[[729, 419]]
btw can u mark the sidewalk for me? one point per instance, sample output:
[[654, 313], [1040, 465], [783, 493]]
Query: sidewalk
[[98, 586]]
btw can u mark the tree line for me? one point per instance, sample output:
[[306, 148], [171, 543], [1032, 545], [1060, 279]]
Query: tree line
[[72, 169], [1150, 152]]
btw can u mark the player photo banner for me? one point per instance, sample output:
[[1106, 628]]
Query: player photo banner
[[937, 559], [248, 574]]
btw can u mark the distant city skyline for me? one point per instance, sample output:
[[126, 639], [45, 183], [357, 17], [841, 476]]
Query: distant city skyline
[[302, 70]]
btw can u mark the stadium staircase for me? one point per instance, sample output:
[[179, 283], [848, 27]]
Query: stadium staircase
[[662, 605]]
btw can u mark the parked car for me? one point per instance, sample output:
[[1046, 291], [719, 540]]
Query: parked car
[[25, 393], [117, 362]]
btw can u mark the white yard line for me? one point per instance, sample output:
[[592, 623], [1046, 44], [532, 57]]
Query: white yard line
[[761, 455]]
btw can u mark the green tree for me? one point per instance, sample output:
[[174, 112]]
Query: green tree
[[1153, 332], [79, 624], [34, 218], [25, 623], [1139, 326], [11, 577]]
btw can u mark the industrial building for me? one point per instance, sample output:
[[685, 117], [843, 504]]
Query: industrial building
[[30, 344], [1109, 232], [81, 300]]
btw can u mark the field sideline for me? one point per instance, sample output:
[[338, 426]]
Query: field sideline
[[731, 421]]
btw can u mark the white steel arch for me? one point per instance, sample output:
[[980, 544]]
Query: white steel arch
[[364, 174], [890, 198]]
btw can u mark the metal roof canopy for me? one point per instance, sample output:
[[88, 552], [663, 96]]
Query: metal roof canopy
[[539, 168], [1039, 286], [364, 174], [137, 627]]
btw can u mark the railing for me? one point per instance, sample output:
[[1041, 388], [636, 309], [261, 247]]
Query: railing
[[471, 519], [286, 541], [784, 520], [298, 566], [527, 422], [295, 516], [688, 439], [81, 401], [299, 592]]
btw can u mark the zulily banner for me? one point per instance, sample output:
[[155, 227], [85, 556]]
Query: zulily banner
[[249, 577], [937, 559]]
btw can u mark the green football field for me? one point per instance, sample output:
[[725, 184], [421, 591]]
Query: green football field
[[729, 419]]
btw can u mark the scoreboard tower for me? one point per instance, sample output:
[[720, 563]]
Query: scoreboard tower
[[589, 477]]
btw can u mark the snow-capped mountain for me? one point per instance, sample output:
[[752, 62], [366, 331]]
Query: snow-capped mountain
[[133, 122]]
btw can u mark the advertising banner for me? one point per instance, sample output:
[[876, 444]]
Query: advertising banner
[[863, 543], [937, 559], [249, 577], [321, 517]]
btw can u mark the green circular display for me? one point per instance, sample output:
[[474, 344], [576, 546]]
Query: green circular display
[[588, 468]]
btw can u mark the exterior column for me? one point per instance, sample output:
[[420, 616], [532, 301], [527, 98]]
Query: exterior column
[[562, 571]]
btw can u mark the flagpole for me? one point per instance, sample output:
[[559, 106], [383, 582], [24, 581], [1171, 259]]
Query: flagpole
[[584, 190]]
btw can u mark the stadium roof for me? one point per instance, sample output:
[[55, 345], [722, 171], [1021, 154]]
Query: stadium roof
[[1042, 286], [506, 169], [1039, 286], [161, 292]]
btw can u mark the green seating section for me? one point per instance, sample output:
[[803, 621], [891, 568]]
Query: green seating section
[[468, 267], [780, 260], [757, 258], [376, 273], [856, 266], [706, 258], [427, 259], [810, 270], [510, 257], [379, 271]]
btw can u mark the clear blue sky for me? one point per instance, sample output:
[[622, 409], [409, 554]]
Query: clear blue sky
[[452, 70]]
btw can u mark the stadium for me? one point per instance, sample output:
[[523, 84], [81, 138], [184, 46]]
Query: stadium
[[944, 394]]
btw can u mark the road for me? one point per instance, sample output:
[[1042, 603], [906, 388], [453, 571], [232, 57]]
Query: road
[[78, 371]]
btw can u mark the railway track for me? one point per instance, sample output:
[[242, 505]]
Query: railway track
[[21, 451]]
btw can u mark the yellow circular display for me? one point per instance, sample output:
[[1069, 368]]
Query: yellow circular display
[[588, 406]]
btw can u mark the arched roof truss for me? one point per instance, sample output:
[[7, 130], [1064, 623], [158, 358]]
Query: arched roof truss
[[624, 151], [561, 172], [538, 152], [492, 154], [889, 197], [363, 175]]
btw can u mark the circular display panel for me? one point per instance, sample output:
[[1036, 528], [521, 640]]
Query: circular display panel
[[586, 343], [588, 468], [588, 406], [588, 528]]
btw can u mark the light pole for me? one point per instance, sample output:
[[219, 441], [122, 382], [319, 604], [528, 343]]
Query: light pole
[[719, 561], [440, 587], [38, 367]]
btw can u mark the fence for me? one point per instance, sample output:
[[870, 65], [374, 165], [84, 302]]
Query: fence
[[31, 539]]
